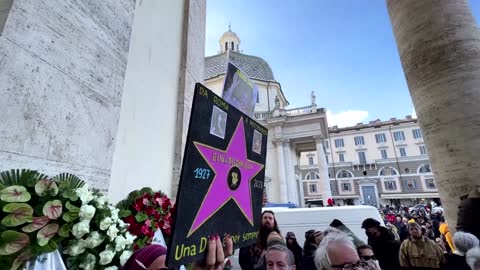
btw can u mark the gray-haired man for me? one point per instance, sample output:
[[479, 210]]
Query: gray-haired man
[[279, 257], [337, 252]]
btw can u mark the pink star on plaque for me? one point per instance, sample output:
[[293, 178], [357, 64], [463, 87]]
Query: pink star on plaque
[[233, 173]]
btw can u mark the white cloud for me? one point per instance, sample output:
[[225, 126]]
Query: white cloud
[[346, 118], [414, 113]]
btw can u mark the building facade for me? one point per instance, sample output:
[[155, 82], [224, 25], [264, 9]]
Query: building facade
[[382, 162], [290, 131]]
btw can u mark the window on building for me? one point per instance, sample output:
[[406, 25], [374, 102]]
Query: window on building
[[387, 171], [339, 143], [313, 188], [430, 183], [326, 157], [411, 184], [333, 187], [341, 157], [403, 152], [258, 97], [233, 46], [380, 138], [346, 186], [310, 160], [362, 157], [344, 174], [425, 169], [226, 46], [327, 145], [390, 185], [359, 140], [384, 153], [399, 136], [417, 134], [423, 150], [312, 176], [407, 170]]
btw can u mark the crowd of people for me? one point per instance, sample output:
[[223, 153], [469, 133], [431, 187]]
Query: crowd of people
[[403, 240]]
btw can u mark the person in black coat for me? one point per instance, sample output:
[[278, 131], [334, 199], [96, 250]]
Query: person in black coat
[[468, 219], [312, 240], [295, 248], [463, 242], [401, 228], [385, 248]]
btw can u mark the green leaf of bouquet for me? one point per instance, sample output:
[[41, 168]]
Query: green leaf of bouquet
[[140, 217], [46, 187], [37, 223], [70, 216], [70, 194], [15, 194], [20, 214], [46, 233], [21, 259], [20, 177], [124, 213], [72, 207], [13, 241], [53, 209], [64, 231]]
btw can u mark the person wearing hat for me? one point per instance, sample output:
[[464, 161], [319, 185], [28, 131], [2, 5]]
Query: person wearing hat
[[295, 248], [419, 252], [312, 240], [383, 243]]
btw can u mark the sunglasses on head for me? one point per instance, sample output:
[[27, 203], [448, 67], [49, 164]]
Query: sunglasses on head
[[368, 258]]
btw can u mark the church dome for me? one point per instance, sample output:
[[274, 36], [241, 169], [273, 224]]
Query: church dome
[[255, 67]]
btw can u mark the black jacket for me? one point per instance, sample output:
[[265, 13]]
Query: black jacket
[[249, 256], [386, 249], [468, 219], [308, 262], [455, 262], [402, 231], [297, 253]]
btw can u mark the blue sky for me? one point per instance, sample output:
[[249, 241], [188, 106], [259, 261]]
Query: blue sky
[[344, 50]]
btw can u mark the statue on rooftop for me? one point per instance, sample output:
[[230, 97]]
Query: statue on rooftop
[[313, 97], [277, 102]]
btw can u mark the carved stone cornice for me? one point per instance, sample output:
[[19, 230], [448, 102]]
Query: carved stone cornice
[[280, 141], [318, 139]]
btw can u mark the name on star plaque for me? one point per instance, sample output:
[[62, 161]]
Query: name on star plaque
[[221, 182]]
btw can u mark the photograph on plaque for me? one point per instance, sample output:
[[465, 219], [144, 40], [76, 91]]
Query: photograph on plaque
[[218, 122], [257, 142], [221, 181], [239, 90]]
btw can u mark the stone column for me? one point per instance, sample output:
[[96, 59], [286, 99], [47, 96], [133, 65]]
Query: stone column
[[62, 74], [323, 171], [166, 59], [290, 173], [282, 180]]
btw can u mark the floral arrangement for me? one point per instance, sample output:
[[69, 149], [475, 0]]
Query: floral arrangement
[[146, 212], [40, 214]]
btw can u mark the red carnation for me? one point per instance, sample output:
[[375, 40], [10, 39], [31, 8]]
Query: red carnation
[[138, 205], [150, 211]]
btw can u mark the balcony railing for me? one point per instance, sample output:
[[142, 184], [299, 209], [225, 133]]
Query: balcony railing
[[262, 115], [301, 111], [293, 112]]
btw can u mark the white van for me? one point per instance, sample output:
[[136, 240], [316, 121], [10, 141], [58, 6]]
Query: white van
[[300, 220]]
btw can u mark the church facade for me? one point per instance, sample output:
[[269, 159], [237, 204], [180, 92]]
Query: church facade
[[382, 162], [290, 131]]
